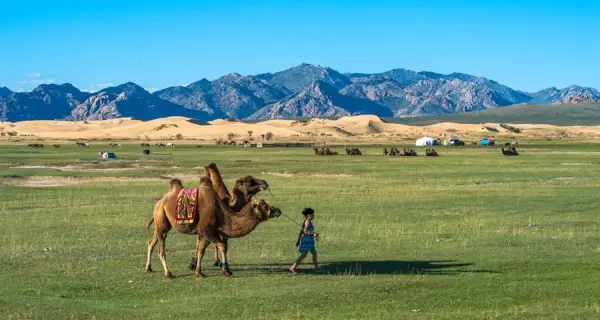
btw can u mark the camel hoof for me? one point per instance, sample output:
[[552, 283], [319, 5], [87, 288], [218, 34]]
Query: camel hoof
[[227, 272], [218, 263], [148, 269], [200, 276], [168, 275]]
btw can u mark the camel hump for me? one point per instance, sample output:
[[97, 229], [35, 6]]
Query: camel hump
[[176, 182], [212, 166], [205, 182]]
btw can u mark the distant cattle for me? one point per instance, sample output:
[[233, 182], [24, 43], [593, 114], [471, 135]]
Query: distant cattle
[[36, 145], [145, 145], [56, 146], [82, 145], [114, 145]]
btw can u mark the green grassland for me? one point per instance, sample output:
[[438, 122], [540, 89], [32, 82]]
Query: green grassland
[[560, 115], [468, 235]]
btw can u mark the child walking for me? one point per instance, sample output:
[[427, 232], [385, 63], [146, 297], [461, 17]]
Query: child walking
[[306, 240]]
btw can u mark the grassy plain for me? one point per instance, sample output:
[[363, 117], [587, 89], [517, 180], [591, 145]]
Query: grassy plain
[[468, 235]]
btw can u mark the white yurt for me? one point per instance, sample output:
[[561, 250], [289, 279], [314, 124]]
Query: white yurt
[[426, 141]]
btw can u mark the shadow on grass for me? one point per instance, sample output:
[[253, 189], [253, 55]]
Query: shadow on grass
[[384, 267]]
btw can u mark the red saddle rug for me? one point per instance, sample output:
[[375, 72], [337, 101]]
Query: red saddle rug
[[187, 203]]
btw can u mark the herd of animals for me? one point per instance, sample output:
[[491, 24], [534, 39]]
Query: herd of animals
[[510, 149], [158, 145]]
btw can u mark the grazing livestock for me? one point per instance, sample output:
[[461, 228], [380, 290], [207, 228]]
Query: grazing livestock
[[324, 152], [353, 152], [431, 153], [510, 152]]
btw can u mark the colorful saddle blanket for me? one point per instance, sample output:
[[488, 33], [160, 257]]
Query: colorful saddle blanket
[[187, 203]]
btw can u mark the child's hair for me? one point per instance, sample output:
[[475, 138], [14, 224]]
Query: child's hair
[[307, 211]]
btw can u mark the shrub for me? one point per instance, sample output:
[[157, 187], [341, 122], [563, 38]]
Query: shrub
[[269, 135], [250, 133], [179, 136], [231, 135]]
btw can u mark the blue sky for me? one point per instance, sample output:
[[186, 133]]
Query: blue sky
[[526, 44]]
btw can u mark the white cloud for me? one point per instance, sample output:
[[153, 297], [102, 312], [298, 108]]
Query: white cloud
[[151, 90], [97, 87], [103, 85], [33, 75], [36, 82]]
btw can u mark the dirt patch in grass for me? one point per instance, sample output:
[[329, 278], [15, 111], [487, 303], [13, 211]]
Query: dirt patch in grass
[[318, 175], [193, 178], [280, 174], [81, 168], [565, 178], [50, 181], [329, 175]]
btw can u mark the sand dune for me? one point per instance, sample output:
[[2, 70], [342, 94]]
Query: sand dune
[[356, 127]]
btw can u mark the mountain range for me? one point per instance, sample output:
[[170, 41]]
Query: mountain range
[[302, 91]]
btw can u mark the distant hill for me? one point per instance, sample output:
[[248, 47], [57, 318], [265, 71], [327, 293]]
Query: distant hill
[[319, 99], [555, 114], [288, 93], [129, 100], [46, 102]]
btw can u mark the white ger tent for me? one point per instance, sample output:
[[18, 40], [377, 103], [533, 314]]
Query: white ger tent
[[426, 141]]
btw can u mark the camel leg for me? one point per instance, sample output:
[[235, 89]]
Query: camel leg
[[216, 260], [162, 237], [225, 269], [151, 245], [201, 245]]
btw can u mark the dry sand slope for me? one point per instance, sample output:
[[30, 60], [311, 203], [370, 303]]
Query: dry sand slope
[[347, 128]]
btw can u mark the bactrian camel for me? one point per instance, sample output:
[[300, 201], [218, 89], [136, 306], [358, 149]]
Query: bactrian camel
[[353, 152], [324, 151], [213, 219]]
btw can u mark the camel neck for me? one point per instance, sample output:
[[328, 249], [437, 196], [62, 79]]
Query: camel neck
[[240, 224], [238, 200]]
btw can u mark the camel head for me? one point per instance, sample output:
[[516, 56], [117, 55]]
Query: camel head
[[263, 211], [250, 186]]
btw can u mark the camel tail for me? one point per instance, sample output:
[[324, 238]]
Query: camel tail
[[148, 224]]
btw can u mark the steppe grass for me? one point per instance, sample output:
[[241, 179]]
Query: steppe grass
[[468, 235]]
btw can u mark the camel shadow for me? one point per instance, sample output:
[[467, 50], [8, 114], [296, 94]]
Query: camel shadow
[[383, 267]]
